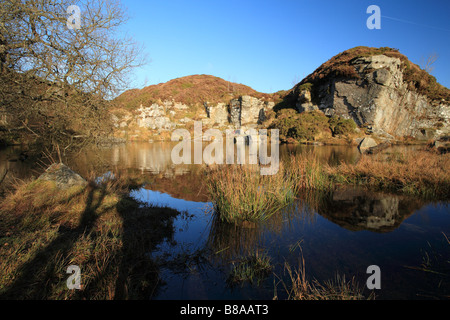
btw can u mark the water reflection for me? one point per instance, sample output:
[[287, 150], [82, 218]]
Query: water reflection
[[357, 209], [230, 241], [325, 225], [153, 158], [195, 253]]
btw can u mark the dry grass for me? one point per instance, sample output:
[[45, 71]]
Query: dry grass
[[302, 288], [44, 230], [308, 173], [240, 193], [422, 173]]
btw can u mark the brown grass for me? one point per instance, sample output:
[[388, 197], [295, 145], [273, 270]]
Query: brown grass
[[44, 230], [303, 288], [241, 194], [423, 173], [192, 90]]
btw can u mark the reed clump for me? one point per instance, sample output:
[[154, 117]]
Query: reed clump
[[241, 194], [253, 269]]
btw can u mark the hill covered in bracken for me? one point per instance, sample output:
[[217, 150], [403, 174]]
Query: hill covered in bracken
[[192, 90], [380, 89]]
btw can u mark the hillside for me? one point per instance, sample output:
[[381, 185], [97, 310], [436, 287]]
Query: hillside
[[339, 66], [192, 90], [380, 89]]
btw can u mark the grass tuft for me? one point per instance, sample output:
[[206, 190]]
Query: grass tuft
[[241, 194]]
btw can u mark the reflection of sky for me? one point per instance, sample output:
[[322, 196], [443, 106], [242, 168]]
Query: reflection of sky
[[159, 199], [191, 230], [326, 247]]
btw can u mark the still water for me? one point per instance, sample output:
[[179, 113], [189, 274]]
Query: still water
[[342, 232]]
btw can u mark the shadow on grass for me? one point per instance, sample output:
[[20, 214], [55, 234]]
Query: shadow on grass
[[111, 243]]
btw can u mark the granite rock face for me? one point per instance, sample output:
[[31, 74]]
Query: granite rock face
[[154, 117], [167, 116], [379, 99]]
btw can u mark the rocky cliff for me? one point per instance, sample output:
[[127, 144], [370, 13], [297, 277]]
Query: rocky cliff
[[381, 90], [154, 112]]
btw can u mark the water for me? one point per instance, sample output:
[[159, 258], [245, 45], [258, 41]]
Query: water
[[342, 232]]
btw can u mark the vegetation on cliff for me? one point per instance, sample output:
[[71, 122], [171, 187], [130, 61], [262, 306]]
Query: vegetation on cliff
[[192, 90], [310, 126], [339, 66]]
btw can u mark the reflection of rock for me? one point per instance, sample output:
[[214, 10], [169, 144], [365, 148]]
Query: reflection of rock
[[356, 209]]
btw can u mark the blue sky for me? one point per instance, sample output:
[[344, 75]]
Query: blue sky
[[271, 45]]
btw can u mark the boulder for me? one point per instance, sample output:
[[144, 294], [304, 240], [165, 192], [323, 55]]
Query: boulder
[[366, 144], [62, 176], [378, 148], [442, 145]]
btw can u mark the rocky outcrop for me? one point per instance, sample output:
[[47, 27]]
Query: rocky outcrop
[[373, 92], [379, 88], [218, 114], [442, 145], [245, 111], [154, 117], [248, 111], [62, 176]]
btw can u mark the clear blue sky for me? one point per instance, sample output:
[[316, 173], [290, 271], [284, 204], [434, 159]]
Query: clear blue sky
[[271, 45]]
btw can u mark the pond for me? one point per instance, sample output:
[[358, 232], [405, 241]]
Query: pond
[[341, 232]]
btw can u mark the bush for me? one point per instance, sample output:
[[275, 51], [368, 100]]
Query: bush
[[306, 126], [341, 126]]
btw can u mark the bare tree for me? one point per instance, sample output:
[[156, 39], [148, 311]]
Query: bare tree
[[428, 64], [57, 80]]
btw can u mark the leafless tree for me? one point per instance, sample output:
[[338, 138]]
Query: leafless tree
[[57, 81], [427, 64]]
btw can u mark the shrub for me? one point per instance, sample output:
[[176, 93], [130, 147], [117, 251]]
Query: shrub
[[306, 126], [341, 126]]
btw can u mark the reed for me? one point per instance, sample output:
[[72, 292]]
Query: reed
[[253, 269], [240, 194], [308, 173], [303, 288]]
